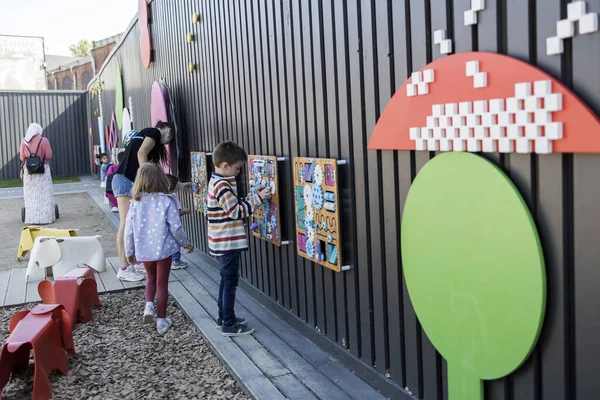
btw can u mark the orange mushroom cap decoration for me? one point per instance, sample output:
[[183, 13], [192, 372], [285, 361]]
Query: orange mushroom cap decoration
[[486, 102]]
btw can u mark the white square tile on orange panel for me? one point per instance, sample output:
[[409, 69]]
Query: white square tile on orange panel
[[437, 110], [472, 68], [513, 104], [416, 77], [428, 76], [426, 133], [496, 105], [524, 145], [421, 144], [523, 118], [554, 130], [553, 102], [445, 145], [542, 117], [480, 80], [432, 122], [444, 121], [532, 103], [513, 132], [479, 132], [433, 144], [473, 145], [465, 132], [542, 88], [459, 120], [480, 107], [411, 90], [522, 90], [438, 133], [488, 120], [506, 145], [543, 146], [504, 118], [452, 132], [533, 131], [415, 133], [472, 120], [459, 144], [465, 108], [451, 109], [496, 132], [423, 88], [489, 145]]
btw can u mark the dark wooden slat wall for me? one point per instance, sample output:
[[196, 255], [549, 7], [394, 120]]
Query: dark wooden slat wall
[[63, 117], [310, 78]]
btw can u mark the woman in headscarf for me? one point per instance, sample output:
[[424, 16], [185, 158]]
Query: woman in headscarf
[[38, 192]]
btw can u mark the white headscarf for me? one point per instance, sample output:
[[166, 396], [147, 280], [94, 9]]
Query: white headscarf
[[33, 130]]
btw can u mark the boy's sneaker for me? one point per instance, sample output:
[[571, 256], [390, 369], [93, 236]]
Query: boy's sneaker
[[178, 264], [241, 321], [129, 275], [139, 269], [149, 314], [163, 327], [237, 330], [114, 209]]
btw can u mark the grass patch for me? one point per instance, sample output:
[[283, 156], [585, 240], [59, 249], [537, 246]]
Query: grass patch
[[18, 183]]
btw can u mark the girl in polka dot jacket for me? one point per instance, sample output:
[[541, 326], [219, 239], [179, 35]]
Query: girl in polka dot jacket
[[153, 233]]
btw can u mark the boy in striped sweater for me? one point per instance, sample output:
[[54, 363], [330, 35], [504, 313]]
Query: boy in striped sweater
[[226, 231]]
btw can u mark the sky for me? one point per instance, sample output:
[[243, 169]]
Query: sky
[[65, 22]]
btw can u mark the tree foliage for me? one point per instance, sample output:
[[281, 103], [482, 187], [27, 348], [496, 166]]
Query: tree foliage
[[81, 48]]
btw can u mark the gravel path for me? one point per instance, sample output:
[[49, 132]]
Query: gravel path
[[118, 357]]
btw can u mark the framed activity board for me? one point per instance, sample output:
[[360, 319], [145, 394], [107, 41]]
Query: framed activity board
[[262, 171], [317, 211], [199, 180]]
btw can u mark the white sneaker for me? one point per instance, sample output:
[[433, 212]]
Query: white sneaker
[[103, 184], [149, 314], [129, 275], [114, 209], [139, 269], [163, 328]]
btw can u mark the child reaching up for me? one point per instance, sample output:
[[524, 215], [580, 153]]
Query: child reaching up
[[153, 233], [174, 186], [226, 232], [104, 164]]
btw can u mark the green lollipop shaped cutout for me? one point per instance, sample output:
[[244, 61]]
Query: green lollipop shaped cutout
[[474, 269]]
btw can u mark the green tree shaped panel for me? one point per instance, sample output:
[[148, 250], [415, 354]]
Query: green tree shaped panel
[[474, 268]]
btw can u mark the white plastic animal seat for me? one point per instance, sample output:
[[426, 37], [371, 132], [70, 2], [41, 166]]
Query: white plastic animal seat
[[64, 254], [44, 254]]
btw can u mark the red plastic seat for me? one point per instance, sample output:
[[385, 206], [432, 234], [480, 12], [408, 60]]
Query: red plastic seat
[[46, 329], [76, 291]]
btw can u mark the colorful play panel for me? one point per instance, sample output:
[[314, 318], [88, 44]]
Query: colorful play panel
[[265, 223], [317, 211], [199, 169]]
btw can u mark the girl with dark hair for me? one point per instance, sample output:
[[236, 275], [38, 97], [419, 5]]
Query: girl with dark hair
[[147, 145]]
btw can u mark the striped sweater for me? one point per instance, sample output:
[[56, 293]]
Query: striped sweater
[[225, 212]]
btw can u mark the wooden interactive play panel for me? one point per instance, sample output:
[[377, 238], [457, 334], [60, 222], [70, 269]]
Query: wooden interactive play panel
[[199, 180], [317, 211], [265, 223]]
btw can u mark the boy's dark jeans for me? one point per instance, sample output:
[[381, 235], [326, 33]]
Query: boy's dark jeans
[[230, 275]]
